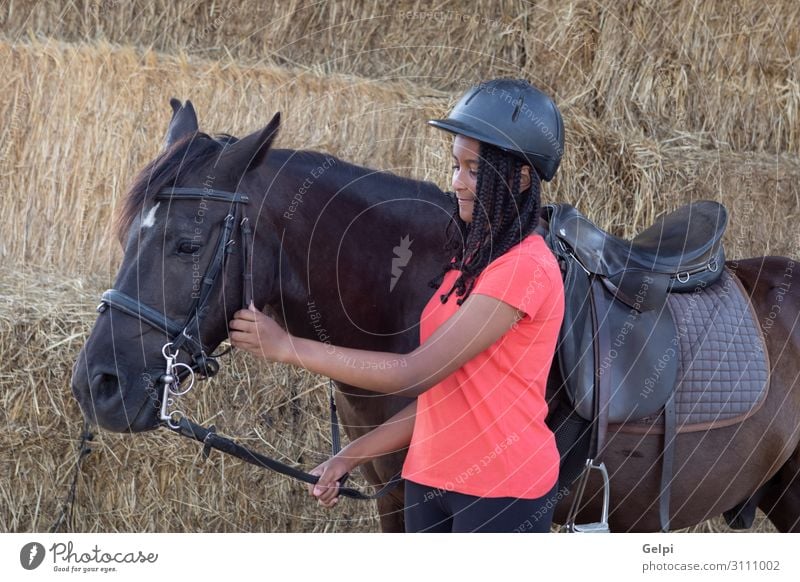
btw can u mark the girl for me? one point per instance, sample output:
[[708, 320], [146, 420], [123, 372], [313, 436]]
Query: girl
[[480, 456]]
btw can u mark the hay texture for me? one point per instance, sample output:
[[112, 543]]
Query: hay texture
[[728, 70], [663, 102], [155, 481], [86, 118]]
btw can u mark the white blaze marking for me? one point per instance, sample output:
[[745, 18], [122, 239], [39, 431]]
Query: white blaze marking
[[150, 219]]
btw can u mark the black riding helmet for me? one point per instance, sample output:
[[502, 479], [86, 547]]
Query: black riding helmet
[[514, 116]]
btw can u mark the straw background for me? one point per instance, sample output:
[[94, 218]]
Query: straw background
[[663, 102]]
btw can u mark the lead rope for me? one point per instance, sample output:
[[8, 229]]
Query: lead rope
[[212, 440], [69, 503], [180, 424], [247, 267], [336, 443]]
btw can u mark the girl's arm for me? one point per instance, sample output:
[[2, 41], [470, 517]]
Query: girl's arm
[[391, 436], [474, 327]]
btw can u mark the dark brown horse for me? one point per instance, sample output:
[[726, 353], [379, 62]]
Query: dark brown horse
[[344, 254]]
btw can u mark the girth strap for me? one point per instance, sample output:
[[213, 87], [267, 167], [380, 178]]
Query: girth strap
[[603, 388], [670, 432]]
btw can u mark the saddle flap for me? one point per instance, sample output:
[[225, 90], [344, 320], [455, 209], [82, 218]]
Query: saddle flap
[[606, 342], [637, 365]]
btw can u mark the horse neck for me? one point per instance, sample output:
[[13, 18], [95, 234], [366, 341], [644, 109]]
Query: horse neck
[[337, 226]]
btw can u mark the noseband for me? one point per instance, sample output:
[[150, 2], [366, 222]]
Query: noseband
[[186, 336]]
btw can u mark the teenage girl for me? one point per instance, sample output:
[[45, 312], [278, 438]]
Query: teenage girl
[[480, 456]]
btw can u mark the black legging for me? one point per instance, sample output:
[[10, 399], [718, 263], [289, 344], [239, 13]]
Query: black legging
[[429, 509]]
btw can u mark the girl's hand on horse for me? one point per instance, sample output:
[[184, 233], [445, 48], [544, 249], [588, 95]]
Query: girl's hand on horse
[[259, 334], [327, 488]]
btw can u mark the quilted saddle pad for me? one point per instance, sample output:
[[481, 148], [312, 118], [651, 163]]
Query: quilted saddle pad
[[723, 365]]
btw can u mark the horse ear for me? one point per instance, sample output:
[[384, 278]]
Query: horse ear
[[249, 152], [183, 122]]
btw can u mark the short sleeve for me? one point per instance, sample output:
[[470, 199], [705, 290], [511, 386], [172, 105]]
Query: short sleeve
[[518, 279]]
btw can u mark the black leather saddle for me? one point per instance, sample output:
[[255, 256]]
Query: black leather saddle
[[679, 251], [617, 356], [617, 327]]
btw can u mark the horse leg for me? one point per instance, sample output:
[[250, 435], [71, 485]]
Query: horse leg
[[781, 500], [390, 506], [359, 415]]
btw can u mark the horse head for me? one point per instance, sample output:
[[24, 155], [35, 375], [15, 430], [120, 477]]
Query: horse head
[[187, 234]]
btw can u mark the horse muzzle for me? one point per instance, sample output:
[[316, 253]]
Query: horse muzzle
[[114, 404]]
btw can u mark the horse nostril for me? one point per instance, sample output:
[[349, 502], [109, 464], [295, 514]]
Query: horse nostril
[[105, 386]]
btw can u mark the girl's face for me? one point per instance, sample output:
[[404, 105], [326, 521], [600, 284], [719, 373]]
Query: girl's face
[[465, 174], [466, 153]]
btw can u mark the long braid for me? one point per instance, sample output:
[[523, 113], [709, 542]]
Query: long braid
[[502, 217]]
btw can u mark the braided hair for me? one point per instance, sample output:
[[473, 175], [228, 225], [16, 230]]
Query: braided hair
[[502, 217]]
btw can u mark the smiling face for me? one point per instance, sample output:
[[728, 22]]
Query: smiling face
[[466, 156], [466, 152]]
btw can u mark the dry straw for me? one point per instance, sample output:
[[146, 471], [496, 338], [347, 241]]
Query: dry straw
[[155, 481], [86, 118], [726, 69], [664, 103]]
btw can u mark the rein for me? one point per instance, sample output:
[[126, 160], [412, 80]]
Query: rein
[[186, 336]]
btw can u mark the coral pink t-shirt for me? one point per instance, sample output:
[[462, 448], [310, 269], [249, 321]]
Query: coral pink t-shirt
[[481, 431]]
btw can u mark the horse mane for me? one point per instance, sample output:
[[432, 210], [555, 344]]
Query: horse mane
[[199, 149], [348, 174], [184, 156]]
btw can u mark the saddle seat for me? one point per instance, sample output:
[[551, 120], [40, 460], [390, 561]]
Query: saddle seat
[[678, 245], [617, 326]]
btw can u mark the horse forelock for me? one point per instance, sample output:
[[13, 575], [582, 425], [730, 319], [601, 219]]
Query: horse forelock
[[184, 157]]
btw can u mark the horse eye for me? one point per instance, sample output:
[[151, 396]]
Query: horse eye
[[188, 247]]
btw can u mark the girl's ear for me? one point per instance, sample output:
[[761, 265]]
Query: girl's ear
[[525, 178]]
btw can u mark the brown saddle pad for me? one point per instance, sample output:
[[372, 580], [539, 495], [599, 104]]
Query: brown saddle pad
[[723, 365]]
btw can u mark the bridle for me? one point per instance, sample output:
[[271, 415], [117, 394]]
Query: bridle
[[186, 336]]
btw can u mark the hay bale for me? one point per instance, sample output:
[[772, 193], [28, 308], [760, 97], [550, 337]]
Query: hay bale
[[85, 119], [724, 71], [69, 168], [375, 40], [624, 181], [728, 70]]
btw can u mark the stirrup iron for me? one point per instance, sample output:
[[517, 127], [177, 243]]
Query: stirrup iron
[[596, 527]]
